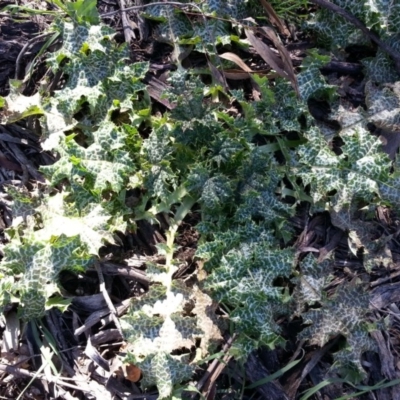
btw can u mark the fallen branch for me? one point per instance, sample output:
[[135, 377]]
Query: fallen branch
[[126, 23]]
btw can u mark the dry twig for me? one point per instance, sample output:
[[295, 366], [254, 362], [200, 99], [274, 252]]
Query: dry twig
[[103, 290], [126, 23]]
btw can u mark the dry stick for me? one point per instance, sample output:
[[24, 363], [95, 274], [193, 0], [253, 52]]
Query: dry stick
[[126, 270], [156, 3], [126, 23], [357, 23], [103, 290], [215, 369], [23, 373], [97, 316]]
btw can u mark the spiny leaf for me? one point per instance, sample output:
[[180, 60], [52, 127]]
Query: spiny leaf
[[91, 225], [155, 328], [104, 164], [344, 314], [40, 262], [98, 76], [164, 371], [310, 80], [384, 105], [310, 284], [354, 174]]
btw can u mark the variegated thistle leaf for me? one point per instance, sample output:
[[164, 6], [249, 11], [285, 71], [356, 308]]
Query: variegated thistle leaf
[[309, 292], [160, 179], [40, 262], [59, 218], [310, 283], [17, 106], [97, 75], [244, 280], [344, 314], [165, 320], [380, 16], [23, 204], [205, 33], [361, 174], [244, 266], [355, 174], [105, 164], [383, 104], [7, 289], [61, 239], [362, 236], [383, 16], [380, 69], [310, 80], [383, 111]]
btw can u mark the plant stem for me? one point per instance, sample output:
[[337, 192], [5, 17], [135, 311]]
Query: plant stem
[[181, 212]]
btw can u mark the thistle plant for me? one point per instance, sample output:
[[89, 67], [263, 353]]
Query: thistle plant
[[202, 156]]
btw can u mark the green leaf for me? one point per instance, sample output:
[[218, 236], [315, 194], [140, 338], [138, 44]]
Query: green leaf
[[243, 279], [58, 302], [164, 371], [155, 328], [83, 11], [23, 204], [384, 105], [354, 174], [274, 376], [310, 80]]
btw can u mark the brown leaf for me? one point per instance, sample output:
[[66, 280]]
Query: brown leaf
[[155, 88], [133, 373], [266, 53], [273, 17], [237, 60], [285, 56], [282, 68], [236, 74]]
